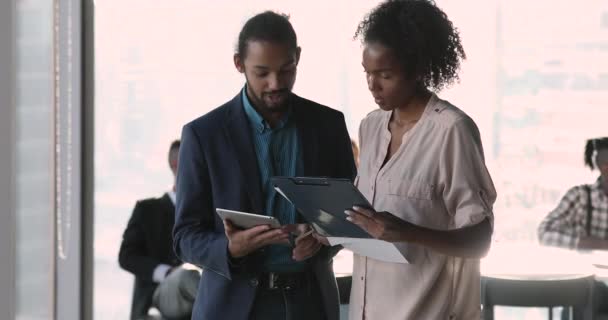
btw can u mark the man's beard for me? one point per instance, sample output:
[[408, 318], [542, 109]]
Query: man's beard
[[279, 108]]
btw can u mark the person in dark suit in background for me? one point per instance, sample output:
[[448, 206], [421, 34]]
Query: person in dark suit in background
[[226, 161], [147, 252]]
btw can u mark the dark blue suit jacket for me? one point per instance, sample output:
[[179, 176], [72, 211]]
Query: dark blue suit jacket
[[218, 169]]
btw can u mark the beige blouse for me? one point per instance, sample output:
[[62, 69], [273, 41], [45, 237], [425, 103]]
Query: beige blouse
[[436, 179]]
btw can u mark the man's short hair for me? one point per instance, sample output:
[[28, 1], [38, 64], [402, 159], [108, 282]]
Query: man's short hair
[[267, 26], [173, 152]]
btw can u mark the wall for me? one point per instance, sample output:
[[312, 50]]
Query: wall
[[7, 237]]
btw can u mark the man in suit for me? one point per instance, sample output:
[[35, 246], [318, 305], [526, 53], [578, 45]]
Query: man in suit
[[226, 161], [147, 252]]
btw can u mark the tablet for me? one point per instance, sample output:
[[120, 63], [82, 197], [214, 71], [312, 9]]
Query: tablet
[[322, 201], [247, 220]]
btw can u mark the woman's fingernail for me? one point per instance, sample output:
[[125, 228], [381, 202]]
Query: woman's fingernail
[[349, 219], [347, 212]]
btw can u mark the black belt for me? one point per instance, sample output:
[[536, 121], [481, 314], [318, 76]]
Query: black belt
[[286, 281]]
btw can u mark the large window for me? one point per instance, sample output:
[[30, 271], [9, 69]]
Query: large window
[[535, 82]]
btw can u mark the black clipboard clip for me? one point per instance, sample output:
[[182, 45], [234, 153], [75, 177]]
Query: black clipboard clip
[[310, 181]]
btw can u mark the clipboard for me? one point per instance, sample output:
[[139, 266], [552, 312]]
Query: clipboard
[[322, 202]]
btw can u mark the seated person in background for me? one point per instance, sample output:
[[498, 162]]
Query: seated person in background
[[147, 252], [579, 221]]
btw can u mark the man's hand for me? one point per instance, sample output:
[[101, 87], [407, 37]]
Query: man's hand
[[380, 225], [243, 242], [306, 245], [321, 239]]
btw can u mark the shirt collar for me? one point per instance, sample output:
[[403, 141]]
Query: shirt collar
[[257, 121], [598, 183], [171, 194]]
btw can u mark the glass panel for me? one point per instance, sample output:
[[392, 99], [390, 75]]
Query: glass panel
[[34, 159]]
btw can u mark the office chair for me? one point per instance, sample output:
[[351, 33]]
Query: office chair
[[575, 292]]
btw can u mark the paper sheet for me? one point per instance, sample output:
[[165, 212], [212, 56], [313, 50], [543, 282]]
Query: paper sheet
[[373, 248]]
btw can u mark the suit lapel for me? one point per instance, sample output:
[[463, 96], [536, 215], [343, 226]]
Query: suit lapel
[[168, 211], [308, 136], [239, 137], [167, 218]]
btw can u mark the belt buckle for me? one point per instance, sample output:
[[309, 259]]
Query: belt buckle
[[272, 280], [275, 281]]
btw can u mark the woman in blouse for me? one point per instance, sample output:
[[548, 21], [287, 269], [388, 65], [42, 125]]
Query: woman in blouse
[[422, 169]]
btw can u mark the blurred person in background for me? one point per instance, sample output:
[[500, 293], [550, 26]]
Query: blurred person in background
[[422, 168], [146, 251], [580, 221]]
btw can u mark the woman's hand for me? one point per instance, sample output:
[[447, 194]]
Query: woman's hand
[[381, 225], [472, 241]]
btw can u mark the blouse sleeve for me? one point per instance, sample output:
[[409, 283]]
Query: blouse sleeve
[[468, 191]]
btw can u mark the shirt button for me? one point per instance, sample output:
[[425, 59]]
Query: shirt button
[[361, 278]]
